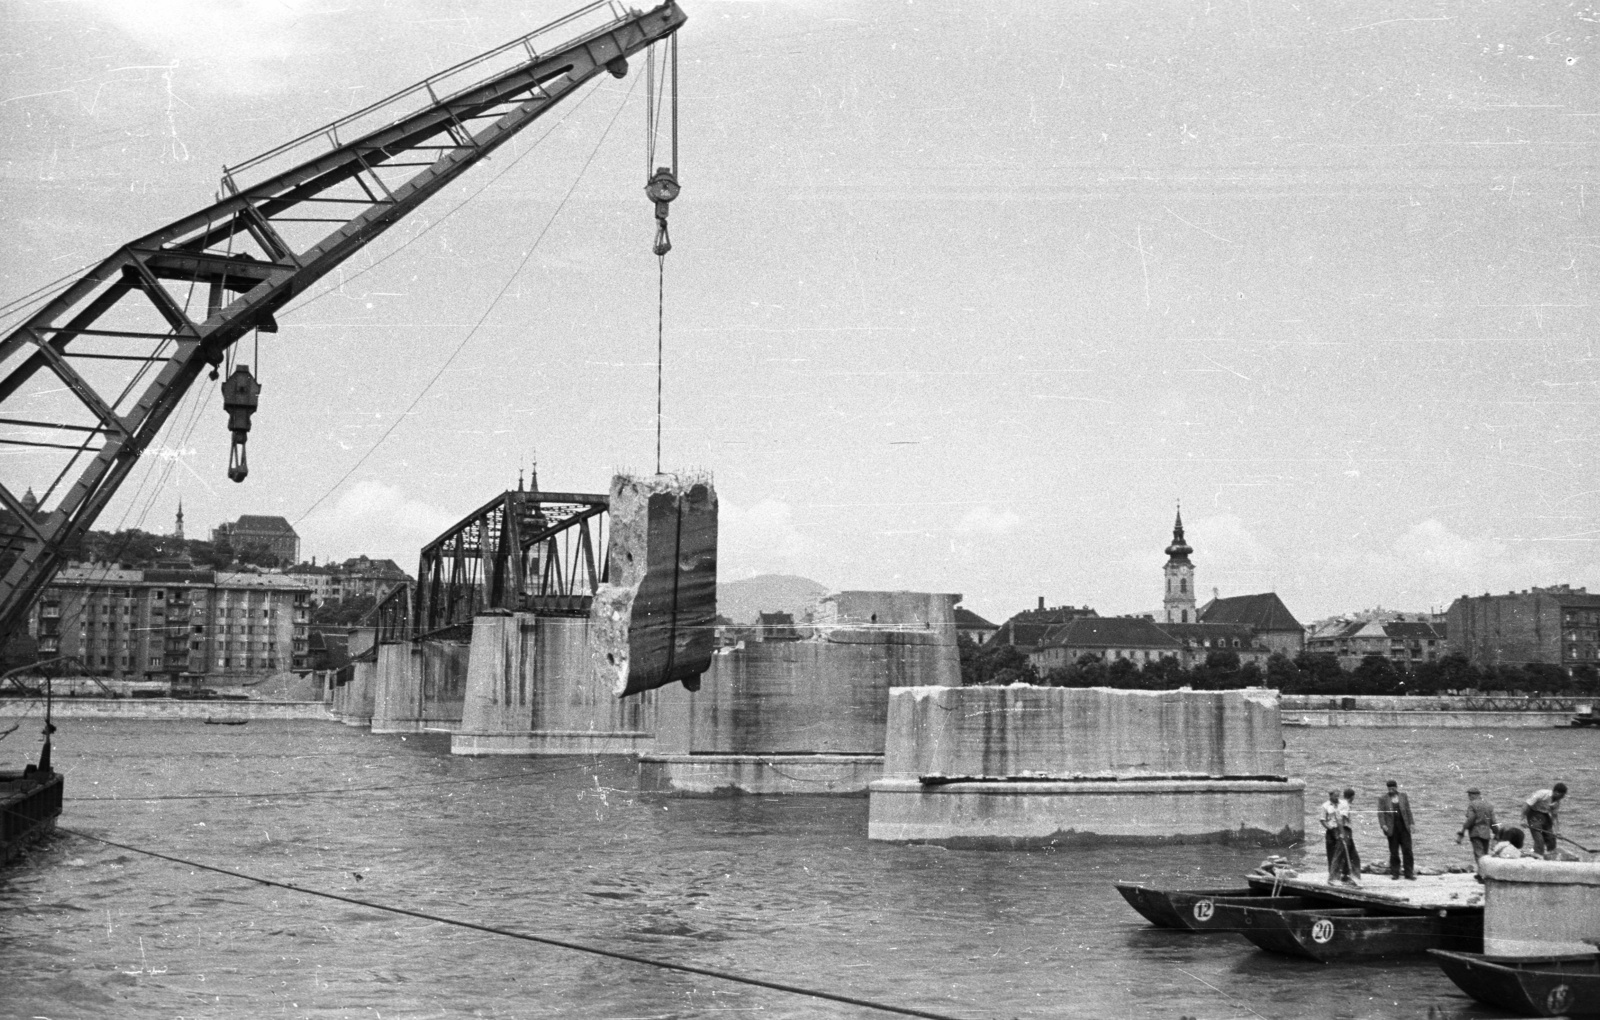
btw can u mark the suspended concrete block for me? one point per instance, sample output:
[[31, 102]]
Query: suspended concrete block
[[653, 623], [1020, 766]]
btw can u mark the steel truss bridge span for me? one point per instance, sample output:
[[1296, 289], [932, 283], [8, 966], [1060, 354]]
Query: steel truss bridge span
[[542, 552]]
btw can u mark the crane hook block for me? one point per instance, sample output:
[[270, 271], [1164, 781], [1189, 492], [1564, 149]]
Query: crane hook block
[[240, 395], [661, 190]]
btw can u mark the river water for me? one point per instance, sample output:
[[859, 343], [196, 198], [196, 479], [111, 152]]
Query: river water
[[788, 889]]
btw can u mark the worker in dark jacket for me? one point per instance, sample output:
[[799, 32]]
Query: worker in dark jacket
[[1480, 823], [1394, 817]]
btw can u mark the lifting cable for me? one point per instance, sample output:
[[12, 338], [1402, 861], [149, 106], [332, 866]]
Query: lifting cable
[[661, 188], [546, 940], [475, 327]]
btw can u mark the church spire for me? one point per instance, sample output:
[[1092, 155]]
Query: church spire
[[1178, 551], [178, 532], [1178, 604]]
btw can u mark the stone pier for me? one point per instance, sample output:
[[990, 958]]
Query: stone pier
[[1535, 908], [419, 686], [532, 689], [1022, 766], [353, 700], [803, 711]]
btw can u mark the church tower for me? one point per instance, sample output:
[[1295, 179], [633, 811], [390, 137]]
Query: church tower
[[1179, 600], [178, 532]]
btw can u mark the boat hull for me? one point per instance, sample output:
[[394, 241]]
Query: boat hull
[[1355, 933], [29, 807], [1553, 987], [1200, 910]]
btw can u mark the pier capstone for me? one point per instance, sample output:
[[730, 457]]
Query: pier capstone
[[653, 623]]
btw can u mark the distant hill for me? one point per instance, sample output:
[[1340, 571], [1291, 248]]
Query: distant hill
[[742, 601]]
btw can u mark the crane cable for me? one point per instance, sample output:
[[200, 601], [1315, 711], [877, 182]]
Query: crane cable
[[661, 188]]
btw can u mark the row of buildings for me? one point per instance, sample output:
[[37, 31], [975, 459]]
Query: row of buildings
[[174, 621], [1557, 625]]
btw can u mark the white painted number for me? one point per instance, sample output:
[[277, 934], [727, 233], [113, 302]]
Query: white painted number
[[1202, 910], [1558, 999], [1322, 931]]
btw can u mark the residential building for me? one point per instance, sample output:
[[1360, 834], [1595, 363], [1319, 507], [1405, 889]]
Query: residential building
[[1559, 625], [776, 627], [1405, 642], [1199, 640], [1265, 614], [203, 625], [1136, 638], [275, 534], [356, 577], [1028, 628], [976, 628]]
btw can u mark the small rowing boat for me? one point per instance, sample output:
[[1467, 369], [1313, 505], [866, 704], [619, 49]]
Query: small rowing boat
[[1326, 934], [1549, 986]]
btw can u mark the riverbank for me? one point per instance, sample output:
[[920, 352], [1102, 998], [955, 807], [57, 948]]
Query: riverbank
[[170, 709], [1431, 712]]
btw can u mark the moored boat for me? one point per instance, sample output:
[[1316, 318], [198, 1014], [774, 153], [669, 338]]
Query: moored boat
[[1194, 909], [1551, 986], [30, 800], [1326, 934]]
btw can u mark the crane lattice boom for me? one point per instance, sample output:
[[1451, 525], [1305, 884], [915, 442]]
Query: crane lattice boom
[[87, 382]]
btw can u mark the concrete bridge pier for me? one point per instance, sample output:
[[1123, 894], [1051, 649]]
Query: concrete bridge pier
[[397, 689], [803, 712], [1025, 766], [532, 689], [352, 701]]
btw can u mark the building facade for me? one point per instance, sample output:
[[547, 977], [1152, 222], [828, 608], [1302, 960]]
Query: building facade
[[1266, 616], [275, 534], [356, 577], [1559, 625], [1027, 629], [1135, 638], [1404, 642], [199, 625]]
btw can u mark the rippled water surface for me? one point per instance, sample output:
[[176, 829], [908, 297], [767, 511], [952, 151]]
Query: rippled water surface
[[788, 889]]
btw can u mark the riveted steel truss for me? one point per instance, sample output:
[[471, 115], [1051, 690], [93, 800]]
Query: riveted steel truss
[[543, 552], [88, 380]]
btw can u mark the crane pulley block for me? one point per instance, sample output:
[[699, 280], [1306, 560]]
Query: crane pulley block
[[661, 190], [240, 396]]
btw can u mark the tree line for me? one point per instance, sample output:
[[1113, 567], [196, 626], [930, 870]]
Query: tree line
[[1306, 673]]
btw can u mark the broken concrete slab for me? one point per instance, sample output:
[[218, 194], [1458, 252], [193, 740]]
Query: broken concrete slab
[[652, 623]]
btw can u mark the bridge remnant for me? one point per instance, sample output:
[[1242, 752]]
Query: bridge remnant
[[653, 621]]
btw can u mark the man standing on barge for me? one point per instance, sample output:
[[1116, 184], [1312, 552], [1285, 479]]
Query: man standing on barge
[[1480, 824], [1540, 813], [1394, 817]]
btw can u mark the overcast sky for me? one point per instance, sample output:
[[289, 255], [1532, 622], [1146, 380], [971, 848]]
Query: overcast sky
[[966, 296]]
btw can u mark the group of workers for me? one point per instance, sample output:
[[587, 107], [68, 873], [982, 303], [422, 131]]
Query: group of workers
[[1540, 813]]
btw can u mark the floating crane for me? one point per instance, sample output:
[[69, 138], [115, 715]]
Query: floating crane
[[94, 374]]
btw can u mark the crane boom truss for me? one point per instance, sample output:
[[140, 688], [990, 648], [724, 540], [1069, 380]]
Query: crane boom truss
[[76, 375]]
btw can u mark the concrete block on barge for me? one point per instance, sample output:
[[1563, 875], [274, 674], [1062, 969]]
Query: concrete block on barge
[[1536, 908]]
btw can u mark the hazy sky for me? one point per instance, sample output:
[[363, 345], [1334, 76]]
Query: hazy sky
[[965, 295]]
